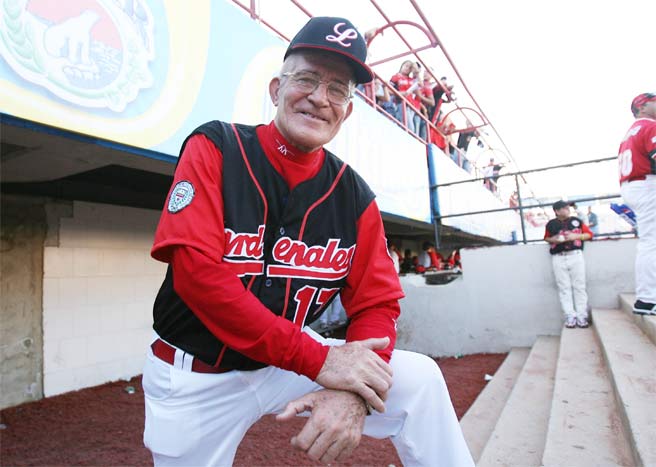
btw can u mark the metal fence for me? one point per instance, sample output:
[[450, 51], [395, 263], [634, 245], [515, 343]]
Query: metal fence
[[526, 204]]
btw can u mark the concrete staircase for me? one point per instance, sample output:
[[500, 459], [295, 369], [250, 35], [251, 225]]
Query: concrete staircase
[[585, 398]]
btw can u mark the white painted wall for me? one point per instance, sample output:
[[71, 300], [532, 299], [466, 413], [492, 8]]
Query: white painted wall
[[98, 291], [100, 283], [506, 297]]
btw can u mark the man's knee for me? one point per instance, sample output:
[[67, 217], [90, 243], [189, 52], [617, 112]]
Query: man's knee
[[414, 371]]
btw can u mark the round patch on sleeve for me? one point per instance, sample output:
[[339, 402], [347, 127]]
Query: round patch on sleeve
[[181, 196]]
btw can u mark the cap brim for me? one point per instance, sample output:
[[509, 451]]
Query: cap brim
[[362, 72]]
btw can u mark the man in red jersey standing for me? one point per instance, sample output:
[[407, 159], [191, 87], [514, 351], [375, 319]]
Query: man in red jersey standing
[[637, 165], [261, 230]]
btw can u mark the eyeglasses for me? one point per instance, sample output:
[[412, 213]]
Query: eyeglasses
[[307, 82]]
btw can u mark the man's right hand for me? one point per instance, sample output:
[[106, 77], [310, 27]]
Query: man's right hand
[[355, 367]]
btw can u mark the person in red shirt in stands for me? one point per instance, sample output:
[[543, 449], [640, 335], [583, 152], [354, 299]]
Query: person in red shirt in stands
[[426, 104], [454, 260], [442, 92], [405, 82], [430, 259]]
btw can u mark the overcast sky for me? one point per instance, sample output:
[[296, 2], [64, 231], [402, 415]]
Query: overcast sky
[[555, 78]]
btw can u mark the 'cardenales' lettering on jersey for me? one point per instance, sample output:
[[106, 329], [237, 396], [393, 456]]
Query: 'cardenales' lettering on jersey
[[244, 251], [328, 262]]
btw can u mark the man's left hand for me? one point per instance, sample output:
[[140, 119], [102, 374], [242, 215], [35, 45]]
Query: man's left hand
[[334, 427]]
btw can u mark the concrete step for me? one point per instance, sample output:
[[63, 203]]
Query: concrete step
[[585, 427], [631, 360], [519, 435], [646, 323], [479, 421]]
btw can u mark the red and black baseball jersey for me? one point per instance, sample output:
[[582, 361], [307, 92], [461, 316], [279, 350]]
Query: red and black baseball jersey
[[637, 153], [291, 249], [570, 225]]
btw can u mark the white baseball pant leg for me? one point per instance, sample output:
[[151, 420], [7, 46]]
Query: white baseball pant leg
[[640, 196], [569, 271], [200, 419]]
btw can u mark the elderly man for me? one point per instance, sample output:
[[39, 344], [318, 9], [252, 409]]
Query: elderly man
[[262, 228], [637, 161]]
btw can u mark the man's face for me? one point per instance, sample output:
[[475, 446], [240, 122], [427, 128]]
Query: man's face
[[563, 213], [649, 109], [309, 121]]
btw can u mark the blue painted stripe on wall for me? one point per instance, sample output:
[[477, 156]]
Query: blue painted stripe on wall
[[22, 123]]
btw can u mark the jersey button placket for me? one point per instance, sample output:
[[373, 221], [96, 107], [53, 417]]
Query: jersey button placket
[[268, 282], [282, 231]]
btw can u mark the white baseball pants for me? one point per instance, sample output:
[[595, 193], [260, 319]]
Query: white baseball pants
[[199, 419], [640, 195], [569, 271]]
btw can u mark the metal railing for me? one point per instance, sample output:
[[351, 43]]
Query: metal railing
[[521, 208]]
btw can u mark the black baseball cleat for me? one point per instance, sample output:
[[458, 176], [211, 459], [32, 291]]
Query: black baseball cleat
[[644, 308]]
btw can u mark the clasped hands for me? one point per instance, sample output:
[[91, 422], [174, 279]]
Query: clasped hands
[[353, 375]]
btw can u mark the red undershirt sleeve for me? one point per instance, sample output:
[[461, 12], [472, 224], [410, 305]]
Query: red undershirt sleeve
[[586, 229], [372, 289], [236, 317]]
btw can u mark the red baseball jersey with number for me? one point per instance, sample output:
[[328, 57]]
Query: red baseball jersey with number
[[637, 154]]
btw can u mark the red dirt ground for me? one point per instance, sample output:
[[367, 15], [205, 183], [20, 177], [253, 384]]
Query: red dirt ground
[[103, 425]]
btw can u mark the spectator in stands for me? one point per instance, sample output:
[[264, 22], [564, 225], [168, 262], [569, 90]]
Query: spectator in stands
[[566, 235], [372, 47], [395, 254], [426, 102], [383, 97], [408, 263], [454, 260], [488, 172], [593, 221], [380, 92], [429, 259], [442, 92], [429, 82], [496, 170], [466, 136], [513, 201], [442, 138], [466, 165], [405, 82]]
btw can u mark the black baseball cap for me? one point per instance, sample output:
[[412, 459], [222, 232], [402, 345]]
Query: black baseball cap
[[560, 204], [338, 35]]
